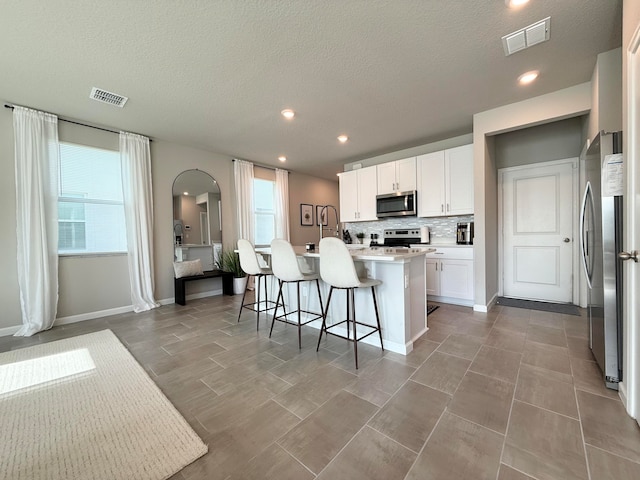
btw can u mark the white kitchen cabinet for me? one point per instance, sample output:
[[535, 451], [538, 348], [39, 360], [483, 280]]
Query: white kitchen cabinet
[[358, 195], [445, 182], [450, 275], [398, 176]]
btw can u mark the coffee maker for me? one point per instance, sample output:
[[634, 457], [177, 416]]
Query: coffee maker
[[464, 233]]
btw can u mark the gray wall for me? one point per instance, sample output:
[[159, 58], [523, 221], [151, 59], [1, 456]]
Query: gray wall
[[313, 191], [101, 283], [544, 143]]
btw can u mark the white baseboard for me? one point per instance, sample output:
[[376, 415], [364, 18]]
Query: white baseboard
[[92, 315], [622, 393], [6, 331], [487, 307]]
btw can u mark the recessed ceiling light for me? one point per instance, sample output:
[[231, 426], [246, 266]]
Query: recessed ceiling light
[[343, 138], [282, 158], [288, 113], [528, 77], [185, 193], [515, 3]]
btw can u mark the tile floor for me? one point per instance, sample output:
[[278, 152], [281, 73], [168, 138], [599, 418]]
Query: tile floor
[[512, 394]]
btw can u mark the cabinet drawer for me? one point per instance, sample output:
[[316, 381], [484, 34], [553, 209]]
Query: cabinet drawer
[[455, 253]]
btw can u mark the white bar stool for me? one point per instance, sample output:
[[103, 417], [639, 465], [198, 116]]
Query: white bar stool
[[338, 271], [250, 266], [286, 269]]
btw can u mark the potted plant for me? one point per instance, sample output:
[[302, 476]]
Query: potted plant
[[360, 237], [230, 262]]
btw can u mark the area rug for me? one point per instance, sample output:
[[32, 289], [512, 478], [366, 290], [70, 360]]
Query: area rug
[[432, 308], [542, 306], [83, 408]]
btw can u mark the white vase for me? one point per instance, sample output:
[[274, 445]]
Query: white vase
[[239, 285]]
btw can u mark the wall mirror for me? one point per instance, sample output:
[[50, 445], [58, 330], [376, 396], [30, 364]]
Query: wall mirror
[[197, 221]]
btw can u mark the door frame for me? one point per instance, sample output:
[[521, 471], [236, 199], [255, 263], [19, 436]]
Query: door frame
[[630, 385], [574, 161]]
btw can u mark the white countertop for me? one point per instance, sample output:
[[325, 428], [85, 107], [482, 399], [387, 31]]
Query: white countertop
[[376, 254], [441, 245]]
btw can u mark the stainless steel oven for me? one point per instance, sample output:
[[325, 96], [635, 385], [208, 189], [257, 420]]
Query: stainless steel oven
[[399, 204]]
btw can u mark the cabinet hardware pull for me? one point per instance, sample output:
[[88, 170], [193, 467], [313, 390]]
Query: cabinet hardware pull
[[448, 209], [436, 266], [442, 207], [441, 266]]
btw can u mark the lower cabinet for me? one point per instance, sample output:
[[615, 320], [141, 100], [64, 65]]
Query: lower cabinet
[[450, 275]]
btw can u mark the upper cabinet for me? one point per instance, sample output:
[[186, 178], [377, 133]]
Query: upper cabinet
[[398, 176], [445, 182], [358, 195]]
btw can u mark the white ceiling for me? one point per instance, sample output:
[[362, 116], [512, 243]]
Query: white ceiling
[[215, 74]]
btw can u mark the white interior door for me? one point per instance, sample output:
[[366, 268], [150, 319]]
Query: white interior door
[[537, 226]]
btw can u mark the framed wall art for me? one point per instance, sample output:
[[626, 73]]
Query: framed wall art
[[322, 215], [306, 214]]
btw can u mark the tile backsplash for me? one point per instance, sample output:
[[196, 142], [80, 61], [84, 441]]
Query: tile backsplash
[[440, 228]]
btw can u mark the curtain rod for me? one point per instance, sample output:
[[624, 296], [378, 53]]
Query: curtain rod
[[268, 167], [77, 123]]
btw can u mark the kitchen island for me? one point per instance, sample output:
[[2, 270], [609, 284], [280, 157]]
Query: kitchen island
[[401, 298]]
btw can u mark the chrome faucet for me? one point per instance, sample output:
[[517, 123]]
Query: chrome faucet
[[322, 227]]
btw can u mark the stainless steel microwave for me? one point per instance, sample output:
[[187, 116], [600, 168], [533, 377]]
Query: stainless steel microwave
[[399, 204]]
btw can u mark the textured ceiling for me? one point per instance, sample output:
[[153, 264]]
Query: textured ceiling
[[215, 74]]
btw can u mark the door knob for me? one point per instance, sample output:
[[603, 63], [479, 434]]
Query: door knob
[[566, 240], [629, 256]]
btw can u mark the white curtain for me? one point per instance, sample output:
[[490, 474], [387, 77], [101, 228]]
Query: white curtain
[[243, 177], [282, 204], [135, 158], [37, 156]]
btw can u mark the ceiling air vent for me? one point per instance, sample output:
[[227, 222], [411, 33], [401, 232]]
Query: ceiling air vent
[[108, 97], [527, 37]]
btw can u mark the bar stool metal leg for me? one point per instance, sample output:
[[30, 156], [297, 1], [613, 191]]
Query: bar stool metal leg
[[257, 302], [246, 286], [375, 307], [355, 335], [275, 311], [324, 318]]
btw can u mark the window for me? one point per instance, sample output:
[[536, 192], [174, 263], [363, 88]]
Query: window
[[90, 203], [264, 215]]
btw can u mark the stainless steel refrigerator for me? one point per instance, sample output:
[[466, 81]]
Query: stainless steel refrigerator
[[601, 240]]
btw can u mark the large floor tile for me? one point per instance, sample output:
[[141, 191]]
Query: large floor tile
[[603, 464], [579, 348], [273, 464], [304, 397], [483, 400], [538, 388], [508, 473], [458, 449], [607, 426], [442, 372], [409, 417], [370, 456], [497, 363], [512, 323], [379, 382], [546, 335], [547, 356], [463, 346], [544, 444], [588, 376], [232, 448], [319, 438], [506, 340]]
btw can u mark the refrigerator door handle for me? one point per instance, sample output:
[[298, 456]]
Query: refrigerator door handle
[[584, 240]]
